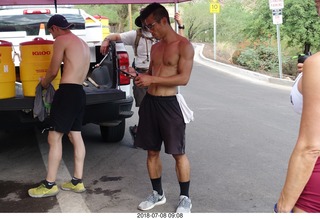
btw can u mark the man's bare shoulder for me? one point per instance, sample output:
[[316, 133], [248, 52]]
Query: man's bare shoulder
[[156, 46], [317, 54], [312, 65], [186, 46], [184, 41], [314, 59], [67, 36]]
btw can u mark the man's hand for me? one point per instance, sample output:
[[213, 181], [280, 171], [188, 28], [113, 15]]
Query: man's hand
[[133, 72], [104, 46], [43, 84], [300, 67], [178, 19], [143, 80]]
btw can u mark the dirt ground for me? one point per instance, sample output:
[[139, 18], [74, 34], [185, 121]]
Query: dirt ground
[[208, 53]]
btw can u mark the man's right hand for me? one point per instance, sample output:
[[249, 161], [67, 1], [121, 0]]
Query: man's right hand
[[178, 18], [104, 46], [43, 84]]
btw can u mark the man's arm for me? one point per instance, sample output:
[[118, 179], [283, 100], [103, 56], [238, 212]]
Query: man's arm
[[106, 42], [55, 64], [307, 149], [178, 19]]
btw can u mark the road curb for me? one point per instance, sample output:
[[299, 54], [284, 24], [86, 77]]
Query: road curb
[[239, 71]]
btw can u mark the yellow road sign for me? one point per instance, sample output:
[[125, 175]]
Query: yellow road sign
[[214, 8]]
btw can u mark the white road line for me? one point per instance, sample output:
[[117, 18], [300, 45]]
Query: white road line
[[69, 202]]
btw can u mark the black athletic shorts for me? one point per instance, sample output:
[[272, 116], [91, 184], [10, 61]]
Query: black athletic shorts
[[67, 109], [161, 121]]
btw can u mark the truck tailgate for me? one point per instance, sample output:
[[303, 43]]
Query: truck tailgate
[[103, 95]]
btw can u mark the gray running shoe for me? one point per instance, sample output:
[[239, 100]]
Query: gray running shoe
[[184, 205], [152, 200]]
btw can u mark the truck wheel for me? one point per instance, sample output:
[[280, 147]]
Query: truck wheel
[[113, 133]]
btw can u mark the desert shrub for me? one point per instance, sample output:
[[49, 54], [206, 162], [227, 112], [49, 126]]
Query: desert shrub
[[261, 58], [289, 67]]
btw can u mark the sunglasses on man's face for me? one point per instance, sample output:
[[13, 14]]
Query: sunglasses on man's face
[[150, 26], [50, 29]]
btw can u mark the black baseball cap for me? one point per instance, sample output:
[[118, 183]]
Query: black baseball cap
[[138, 22], [60, 21]]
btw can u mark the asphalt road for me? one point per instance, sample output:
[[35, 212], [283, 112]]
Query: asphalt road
[[238, 145]]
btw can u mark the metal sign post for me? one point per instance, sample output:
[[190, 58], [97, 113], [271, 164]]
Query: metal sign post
[[214, 9], [276, 6]]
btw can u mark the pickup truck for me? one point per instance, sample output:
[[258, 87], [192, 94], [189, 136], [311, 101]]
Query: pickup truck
[[108, 92]]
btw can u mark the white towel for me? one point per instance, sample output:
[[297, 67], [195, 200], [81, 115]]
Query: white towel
[[186, 111]]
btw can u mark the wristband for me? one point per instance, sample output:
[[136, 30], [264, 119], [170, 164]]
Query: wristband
[[181, 27], [275, 209]]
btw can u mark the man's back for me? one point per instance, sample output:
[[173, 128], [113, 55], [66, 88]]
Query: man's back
[[76, 58]]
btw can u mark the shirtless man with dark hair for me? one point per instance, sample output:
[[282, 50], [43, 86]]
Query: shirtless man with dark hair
[[160, 116]]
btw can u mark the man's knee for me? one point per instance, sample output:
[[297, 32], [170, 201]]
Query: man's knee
[[153, 154]]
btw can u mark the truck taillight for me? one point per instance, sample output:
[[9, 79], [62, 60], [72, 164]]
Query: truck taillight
[[123, 65], [36, 11]]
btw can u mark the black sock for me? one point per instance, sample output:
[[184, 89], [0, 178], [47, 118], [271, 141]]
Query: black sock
[[156, 185], [184, 188], [75, 181], [48, 185]]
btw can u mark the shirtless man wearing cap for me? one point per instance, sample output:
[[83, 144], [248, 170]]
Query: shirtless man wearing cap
[[68, 105]]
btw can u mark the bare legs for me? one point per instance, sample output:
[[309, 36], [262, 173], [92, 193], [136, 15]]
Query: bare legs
[[154, 165], [55, 154]]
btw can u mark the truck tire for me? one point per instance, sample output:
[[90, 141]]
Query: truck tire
[[113, 133]]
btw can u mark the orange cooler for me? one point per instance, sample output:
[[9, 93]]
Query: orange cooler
[[35, 60], [7, 71]]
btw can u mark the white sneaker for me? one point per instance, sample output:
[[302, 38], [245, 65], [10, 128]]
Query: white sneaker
[[152, 200], [184, 205]]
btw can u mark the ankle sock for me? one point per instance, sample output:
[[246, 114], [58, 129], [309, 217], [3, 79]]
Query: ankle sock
[[75, 181], [48, 185]]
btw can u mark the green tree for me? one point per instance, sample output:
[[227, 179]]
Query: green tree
[[300, 28], [260, 27], [301, 24], [198, 20], [109, 11], [117, 13], [232, 20]]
